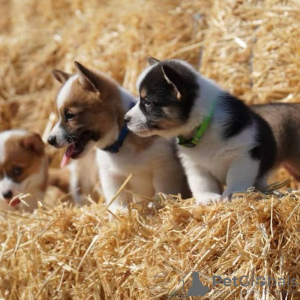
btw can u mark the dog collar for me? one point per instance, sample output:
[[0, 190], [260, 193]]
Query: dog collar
[[115, 147], [199, 131]]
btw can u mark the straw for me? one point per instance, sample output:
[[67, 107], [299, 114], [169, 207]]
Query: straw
[[251, 48]]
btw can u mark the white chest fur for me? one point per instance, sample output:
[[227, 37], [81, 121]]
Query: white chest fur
[[151, 169], [215, 154]]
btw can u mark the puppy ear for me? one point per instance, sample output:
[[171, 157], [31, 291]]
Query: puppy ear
[[86, 77], [60, 76], [152, 61], [33, 142], [172, 79]]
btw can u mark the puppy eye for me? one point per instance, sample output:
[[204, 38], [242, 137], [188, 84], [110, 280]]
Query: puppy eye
[[147, 103], [69, 116], [17, 171]]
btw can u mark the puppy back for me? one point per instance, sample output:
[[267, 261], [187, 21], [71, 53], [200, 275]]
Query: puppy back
[[284, 120]]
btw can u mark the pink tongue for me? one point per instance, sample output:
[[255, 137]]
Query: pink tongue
[[14, 202], [67, 155]]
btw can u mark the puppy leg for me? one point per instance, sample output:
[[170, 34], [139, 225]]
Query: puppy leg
[[204, 186], [167, 181], [141, 184], [111, 185], [241, 175], [293, 167], [262, 183]]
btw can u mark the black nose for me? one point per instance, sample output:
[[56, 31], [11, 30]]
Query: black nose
[[127, 119], [8, 195], [52, 140]]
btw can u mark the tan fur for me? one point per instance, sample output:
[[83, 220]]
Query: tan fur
[[23, 170], [19, 155], [143, 93], [171, 122], [285, 123], [96, 111]]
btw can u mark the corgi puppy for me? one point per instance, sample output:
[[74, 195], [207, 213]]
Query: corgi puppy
[[91, 110], [221, 141], [23, 170]]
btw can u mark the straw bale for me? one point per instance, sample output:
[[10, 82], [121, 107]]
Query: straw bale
[[74, 253], [251, 48]]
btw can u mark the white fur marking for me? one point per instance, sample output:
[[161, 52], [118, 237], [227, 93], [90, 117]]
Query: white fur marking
[[4, 136], [138, 120], [65, 91]]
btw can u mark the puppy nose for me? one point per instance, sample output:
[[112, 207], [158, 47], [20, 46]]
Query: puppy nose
[[8, 195], [52, 140], [127, 119]]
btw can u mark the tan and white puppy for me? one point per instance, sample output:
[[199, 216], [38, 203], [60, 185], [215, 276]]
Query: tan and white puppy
[[23, 170], [91, 110]]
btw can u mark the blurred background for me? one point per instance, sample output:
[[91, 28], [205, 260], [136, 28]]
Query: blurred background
[[250, 47]]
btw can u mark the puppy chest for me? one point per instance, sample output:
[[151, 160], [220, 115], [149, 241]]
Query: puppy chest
[[124, 163], [215, 160]]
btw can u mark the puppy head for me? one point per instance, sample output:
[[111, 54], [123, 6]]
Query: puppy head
[[87, 105], [21, 165], [167, 93]]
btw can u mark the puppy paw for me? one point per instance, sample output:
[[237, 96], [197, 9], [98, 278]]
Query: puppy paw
[[117, 209], [206, 198]]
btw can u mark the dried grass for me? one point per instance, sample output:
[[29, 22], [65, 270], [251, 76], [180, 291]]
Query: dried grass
[[74, 253], [252, 48]]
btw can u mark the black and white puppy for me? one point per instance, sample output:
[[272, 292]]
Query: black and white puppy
[[223, 141]]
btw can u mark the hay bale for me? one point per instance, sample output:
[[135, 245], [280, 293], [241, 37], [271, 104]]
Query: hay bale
[[74, 253]]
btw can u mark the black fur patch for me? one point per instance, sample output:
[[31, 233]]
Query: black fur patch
[[256, 153], [239, 115], [161, 94], [266, 149]]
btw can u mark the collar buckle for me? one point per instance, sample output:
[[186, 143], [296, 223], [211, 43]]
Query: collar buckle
[[185, 143]]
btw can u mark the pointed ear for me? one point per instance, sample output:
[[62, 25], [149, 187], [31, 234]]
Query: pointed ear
[[86, 77], [152, 61], [172, 78], [33, 142], [60, 76]]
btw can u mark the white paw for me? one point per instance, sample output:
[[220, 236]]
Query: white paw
[[206, 198], [117, 208]]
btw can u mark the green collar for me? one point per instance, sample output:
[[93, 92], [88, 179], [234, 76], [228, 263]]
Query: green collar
[[199, 131]]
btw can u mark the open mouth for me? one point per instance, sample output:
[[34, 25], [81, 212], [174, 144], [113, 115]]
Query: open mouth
[[77, 147], [13, 202]]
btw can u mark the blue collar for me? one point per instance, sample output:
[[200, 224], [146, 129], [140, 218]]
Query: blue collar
[[115, 147]]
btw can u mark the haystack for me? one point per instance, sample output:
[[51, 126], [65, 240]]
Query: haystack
[[251, 48]]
